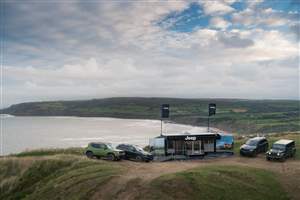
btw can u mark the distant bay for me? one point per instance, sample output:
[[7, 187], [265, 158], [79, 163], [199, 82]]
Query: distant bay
[[28, 133]]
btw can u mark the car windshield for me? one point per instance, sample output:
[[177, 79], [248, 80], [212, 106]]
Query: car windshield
[[109, 146], [139, 149], [251, 142], [278, 146]]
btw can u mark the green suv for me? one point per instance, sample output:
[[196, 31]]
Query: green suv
[[103, 150]]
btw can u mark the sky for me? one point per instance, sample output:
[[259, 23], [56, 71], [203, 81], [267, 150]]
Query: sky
[[64, 50]]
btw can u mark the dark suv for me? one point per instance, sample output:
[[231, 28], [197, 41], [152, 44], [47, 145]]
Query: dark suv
[[135, 152], [254, 146], [281, 150]]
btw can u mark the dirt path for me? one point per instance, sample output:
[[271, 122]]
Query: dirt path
[[136, 175]]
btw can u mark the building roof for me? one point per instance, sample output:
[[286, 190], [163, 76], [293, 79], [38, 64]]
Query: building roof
[[190, 134]]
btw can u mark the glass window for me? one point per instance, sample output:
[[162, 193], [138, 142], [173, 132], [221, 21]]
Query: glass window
[[131, 148], [102, 146], [251, 142], [189, 145], [208, 141], [197, 145], [96, 145], [126, 147], [170, 144], [139, 149], [278, 146]]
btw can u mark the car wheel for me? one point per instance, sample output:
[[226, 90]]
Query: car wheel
[[111, 156], [139, 158], [89, 154], [254, 153]]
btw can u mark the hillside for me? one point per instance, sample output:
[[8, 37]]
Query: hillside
[[68, 174], [235, 115], [76, 177], [52, 177]]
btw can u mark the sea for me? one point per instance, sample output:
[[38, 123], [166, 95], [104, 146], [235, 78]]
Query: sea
[[29, 133]]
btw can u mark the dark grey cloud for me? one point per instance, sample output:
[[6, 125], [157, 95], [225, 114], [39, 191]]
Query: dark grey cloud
[[235, 41], [295, 28]]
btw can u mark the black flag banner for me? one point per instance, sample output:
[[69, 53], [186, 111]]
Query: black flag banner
[[212, 109], [164, 111]]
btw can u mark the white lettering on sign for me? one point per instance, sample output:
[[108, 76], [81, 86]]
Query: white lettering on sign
[[190, 138]]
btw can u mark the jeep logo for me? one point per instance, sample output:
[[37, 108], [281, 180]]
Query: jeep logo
[[190, 138]]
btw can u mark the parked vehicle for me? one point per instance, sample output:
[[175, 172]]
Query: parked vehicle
[[135, 152], [225, 142], [103, 150], [281, 150], [254, 146]]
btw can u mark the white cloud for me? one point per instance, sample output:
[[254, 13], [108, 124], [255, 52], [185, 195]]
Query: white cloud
[[216, 7], [219, 22], [260, 16], [254, 3]]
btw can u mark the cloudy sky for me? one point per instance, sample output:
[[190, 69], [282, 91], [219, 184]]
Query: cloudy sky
[[95, 49]]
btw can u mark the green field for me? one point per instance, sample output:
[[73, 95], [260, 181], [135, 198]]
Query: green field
[[233, 115], [217, 182]]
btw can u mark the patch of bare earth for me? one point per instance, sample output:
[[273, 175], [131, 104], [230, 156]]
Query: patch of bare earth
[[133, 181]]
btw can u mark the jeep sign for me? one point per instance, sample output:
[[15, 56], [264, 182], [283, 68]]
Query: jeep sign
[[193, 138]]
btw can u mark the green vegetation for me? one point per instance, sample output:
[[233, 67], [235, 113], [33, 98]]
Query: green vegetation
[[68, 174], [217, 182], [49, 152], [74, 177], [60, 177], [271, 138], [241, 116]]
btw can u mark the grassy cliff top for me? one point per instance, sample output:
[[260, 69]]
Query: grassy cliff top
[[75, 177], [68, 174]]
